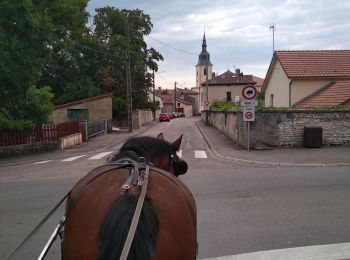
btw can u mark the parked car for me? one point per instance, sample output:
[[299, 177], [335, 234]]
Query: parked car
[[164, 117], [171, 115]]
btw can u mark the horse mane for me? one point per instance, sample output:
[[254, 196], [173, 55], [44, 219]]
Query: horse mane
[[115, 226], [117, 220], [144, 146]]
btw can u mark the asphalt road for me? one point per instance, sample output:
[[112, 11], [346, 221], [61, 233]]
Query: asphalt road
[[241, 208]]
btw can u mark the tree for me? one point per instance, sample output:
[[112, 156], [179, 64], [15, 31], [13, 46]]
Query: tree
[[110, 27], [38, 106], [30, 33]]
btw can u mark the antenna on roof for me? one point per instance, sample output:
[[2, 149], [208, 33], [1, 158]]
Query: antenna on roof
[[273, 29]]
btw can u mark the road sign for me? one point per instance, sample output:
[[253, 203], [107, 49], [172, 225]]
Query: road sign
[[249, 92], [249, 114], [249, 103]]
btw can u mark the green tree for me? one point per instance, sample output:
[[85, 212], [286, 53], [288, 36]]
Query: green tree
[[31, 31], [110, 27], [38, 106]]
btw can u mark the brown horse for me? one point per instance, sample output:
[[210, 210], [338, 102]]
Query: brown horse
[[98, 214]]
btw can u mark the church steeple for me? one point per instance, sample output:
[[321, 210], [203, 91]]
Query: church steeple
[[204, 44], [204, 56]]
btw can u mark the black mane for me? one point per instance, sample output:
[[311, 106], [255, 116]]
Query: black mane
[[144, 146]]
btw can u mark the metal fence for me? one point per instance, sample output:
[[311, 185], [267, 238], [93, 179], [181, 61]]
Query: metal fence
[[95, 128]]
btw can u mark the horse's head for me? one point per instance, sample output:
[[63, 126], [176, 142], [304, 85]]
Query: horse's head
[[156, 151]]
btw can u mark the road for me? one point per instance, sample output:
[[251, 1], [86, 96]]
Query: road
[[241, 208]]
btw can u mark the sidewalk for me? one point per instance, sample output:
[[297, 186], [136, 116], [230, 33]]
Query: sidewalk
[[224, 148]]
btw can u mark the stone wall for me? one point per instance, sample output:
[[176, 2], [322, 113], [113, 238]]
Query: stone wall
[[141, 117], [283, 128], [16, 150]]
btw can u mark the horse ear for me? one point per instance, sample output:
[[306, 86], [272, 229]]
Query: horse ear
[[176, 144], [160, 136]]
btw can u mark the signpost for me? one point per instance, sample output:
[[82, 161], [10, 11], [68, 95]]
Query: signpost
[[249, 103]]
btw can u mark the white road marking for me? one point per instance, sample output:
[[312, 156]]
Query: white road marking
[[200, 154], [319, 252], [179, 153], [100, 155], [43, 162], [72, 158]]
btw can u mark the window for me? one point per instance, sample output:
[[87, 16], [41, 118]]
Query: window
[[271, 100], [178, 104], [228, 96], [205, 71], [81, 114]]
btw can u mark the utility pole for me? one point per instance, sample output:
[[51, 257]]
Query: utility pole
[[206, 95], [175, 97], [154, 100], [273, 29], [128, 75]]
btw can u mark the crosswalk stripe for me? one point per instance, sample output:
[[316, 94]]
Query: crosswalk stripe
[[200, 154], [100, 155], [72, 158], [41, 162], [179, 153]]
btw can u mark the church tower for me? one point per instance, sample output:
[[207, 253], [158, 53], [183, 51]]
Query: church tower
[[202, 66]]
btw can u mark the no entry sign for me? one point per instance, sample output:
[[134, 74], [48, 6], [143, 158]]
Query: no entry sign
[[249, 92], [249, 114]]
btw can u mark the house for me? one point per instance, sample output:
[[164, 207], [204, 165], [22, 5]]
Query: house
[[181, 105], [228, 85], [308, 78], [190, 96], [90, 109], [156, 97]]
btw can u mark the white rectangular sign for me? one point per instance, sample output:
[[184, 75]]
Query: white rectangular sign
[[249, 103], [249, 114]]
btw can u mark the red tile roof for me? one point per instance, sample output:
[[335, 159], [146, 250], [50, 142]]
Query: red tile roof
[[230, 78], [311, 64], [336, 93], [259, 81], [168, 99]]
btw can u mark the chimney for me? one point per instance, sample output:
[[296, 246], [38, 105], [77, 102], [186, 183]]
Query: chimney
[[237, 73]]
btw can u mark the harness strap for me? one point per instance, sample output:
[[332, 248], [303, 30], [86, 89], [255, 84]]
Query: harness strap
[[136, 217], [38, 226]]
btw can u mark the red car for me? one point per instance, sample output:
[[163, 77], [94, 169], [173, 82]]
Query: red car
[[164, 117]]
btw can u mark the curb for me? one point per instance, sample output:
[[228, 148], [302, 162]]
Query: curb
[[284, 164]]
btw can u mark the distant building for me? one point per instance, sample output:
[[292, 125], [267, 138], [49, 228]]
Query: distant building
[[308, 78], [223, 87], [90, 109], [157, 97]]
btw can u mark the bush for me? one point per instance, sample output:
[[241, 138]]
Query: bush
[[120, 108], [20, 124], [223, 106]]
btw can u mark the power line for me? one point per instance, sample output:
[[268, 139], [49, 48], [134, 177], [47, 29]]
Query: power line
[[172, 47], [163, 78]]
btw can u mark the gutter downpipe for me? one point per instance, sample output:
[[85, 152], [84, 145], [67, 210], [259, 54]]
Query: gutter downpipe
[[290, 92]]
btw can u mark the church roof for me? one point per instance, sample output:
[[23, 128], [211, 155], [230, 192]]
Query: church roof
[[204, 56]]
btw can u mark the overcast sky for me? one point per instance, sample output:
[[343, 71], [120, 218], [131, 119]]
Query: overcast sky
[[238, 32]]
